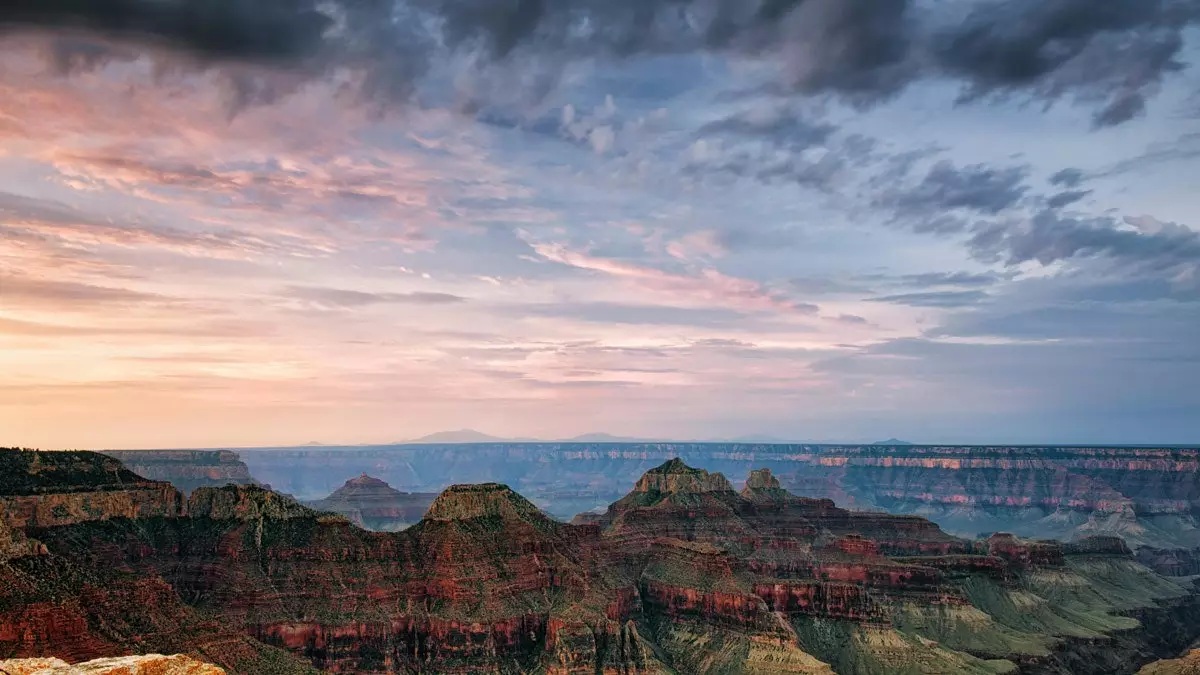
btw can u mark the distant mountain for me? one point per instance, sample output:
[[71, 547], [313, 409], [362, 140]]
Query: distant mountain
[[314, 444], [601, 437], [893, 441], [460, 436]]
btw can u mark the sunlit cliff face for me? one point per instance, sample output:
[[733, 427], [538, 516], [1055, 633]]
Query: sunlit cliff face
[[363, 235]]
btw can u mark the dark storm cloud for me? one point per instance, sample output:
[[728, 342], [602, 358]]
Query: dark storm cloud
[[977, 187], [1111, 55], [946, 299], [276, 30], [1113, 52]]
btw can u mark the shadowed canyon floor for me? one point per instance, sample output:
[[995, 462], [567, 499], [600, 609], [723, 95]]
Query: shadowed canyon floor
[[684, 574]]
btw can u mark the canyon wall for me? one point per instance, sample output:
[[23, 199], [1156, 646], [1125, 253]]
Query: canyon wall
[[187, 469], [1149, 496]]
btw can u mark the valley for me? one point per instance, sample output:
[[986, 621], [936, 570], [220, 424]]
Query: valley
[[685, 573]]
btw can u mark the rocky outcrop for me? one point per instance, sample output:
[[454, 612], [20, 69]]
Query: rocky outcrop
[[245, 502], [676, 477], [14, 544], [1188, 664], [150, 664], [487, 500], [374, 505], [187, 470], [64, 488]]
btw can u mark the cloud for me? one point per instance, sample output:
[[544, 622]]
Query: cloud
[[1113, 54], [829, 286], [706, 285], [1185, 148], [634, 314], [975, 188], [1049, 237], [347, 299], [270, 30], [1067, 198], [779, 125], [47, 294], [962, 279], [863, 51], [851, 319], [942, 299], [1068, 178]]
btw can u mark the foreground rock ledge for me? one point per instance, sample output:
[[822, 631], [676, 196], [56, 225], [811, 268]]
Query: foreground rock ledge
[[150, 664]]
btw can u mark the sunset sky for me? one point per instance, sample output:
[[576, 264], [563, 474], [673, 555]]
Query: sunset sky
[[365, 220]]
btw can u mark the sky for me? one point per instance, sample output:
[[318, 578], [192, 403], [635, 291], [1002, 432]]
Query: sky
[[270, 222]]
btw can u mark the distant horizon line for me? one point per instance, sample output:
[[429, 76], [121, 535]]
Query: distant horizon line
[[826, 444]]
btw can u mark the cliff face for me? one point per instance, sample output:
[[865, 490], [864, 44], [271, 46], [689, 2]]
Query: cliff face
[[65, 488], [683, 574], [187, 470], [374, 505]]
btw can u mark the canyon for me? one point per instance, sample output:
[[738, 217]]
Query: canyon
[[685, 573], [1148, 496]]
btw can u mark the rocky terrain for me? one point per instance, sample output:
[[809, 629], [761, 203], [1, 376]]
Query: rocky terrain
[[150, 664], [1188, 664], [66, 605], [1149, 496], [187, 469], [374, 505], [684, 574]]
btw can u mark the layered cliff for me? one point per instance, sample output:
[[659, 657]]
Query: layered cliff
[[683, 574], [374, 505], [187, 470], [62, 488]]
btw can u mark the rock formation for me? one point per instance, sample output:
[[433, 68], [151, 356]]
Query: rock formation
[[187, 469], [150, 664], [1148, 496], [1188, 664], [683, 574], [374, 505]]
